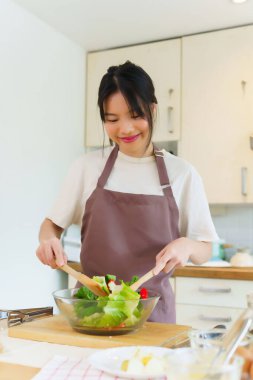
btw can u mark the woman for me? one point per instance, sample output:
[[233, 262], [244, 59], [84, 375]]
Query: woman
[[139, 207]]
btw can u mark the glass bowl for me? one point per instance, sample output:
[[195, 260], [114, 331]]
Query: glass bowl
[[206, 338], [213, 338], [192, 364], [100, 317]]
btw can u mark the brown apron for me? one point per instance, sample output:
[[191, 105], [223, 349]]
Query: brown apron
[[122, 233]]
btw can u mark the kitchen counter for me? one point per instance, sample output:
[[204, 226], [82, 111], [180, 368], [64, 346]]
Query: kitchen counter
[[23, 358], [232, 273], [229, 273], [9, 371]]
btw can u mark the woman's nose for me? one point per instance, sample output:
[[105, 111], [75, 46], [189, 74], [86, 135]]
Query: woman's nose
[[127, 127]]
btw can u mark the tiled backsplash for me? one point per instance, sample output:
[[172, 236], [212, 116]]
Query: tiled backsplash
[[234, 224]]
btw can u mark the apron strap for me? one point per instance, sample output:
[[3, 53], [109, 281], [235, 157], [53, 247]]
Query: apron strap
[[161, 167], [108, 167], [162, 171]]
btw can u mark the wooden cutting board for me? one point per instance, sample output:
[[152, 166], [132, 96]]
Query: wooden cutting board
[[9, 371], [57, 330]]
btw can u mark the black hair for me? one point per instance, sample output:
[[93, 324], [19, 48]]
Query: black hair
[[135, 85]]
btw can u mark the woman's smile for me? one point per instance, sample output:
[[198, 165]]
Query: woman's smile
[[129, 139]]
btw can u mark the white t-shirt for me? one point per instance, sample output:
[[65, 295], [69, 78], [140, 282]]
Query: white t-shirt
[[138, 176]]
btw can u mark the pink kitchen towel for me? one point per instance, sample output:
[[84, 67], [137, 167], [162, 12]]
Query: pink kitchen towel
[[64, 368]]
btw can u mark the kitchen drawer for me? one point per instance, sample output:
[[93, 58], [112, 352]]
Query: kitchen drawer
[[202, 317], [216, 292]]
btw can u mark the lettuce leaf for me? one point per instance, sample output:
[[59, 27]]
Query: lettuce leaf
[[132, 281], [85, 293], [102, 282], [120, 306]]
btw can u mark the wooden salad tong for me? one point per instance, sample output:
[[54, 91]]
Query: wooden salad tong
[[142, 279], [92, 285]]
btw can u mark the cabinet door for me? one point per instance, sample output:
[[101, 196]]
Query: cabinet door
[[217, 112], [205, 317], [161, 60], [212, 292]]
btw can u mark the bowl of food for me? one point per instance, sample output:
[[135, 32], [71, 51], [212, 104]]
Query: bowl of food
[[192, 364], [121, 311]]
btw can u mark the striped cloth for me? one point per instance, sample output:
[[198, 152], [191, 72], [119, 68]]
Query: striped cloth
[[64, 368]]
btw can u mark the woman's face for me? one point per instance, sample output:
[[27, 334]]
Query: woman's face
[[129, 131]]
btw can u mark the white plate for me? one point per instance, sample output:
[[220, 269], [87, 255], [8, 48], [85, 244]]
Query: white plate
[[110, 359]]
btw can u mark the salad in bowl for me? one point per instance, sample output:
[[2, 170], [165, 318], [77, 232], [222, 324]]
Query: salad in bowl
[[121, 311]]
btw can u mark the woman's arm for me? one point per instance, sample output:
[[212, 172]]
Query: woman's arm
[[179, 251], [50, 251]]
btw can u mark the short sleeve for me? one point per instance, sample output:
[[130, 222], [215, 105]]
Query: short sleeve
[[67, 208], [195, 217]]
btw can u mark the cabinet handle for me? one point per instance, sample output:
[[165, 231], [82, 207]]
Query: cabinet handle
[[251, 142], [244, 180], [170, 109], [203, 317], [202, 289]]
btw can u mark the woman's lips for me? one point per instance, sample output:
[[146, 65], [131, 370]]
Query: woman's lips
[[129, 139]]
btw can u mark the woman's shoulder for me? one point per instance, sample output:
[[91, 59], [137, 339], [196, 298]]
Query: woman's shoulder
[[179, 167], [89, 164], [93, 157], [181, 172]]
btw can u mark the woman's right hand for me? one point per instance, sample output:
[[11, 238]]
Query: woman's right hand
[[50, 252]]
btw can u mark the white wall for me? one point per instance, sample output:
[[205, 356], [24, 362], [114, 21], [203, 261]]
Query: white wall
[[41, 133], [234, 224]]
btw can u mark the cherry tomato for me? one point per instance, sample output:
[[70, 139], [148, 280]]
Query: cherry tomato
[[144, 293]]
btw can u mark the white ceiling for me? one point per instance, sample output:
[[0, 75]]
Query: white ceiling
[[102, 24]]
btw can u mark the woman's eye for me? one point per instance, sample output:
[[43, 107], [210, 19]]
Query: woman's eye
[[136, 116], [111, 121]]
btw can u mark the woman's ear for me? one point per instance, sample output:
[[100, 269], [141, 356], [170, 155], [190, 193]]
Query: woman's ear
[[153, 107], [154, 110]]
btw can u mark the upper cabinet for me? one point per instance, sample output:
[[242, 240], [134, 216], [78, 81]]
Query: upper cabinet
[[217, 112], [204, 87], [162, 61]]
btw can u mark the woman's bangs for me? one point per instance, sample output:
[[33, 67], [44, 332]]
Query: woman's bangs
[[135, 105]]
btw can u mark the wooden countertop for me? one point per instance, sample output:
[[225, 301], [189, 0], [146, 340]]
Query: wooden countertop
[[229, 273], [9, 371]]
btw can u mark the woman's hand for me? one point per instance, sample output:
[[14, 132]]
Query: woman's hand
[[50, 252], [179, 251]]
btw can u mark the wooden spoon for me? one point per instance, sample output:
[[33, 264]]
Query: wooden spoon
[[142, 279], [85, 280]]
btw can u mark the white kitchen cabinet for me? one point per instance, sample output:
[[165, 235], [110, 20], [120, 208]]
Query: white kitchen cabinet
[[206, 317], [204, 303], [162, 61], [217, 112]]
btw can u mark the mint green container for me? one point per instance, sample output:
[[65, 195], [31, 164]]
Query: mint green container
[[217, 251]]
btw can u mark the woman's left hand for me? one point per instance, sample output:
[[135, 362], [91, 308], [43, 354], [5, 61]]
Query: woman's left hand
[[178, 252]]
